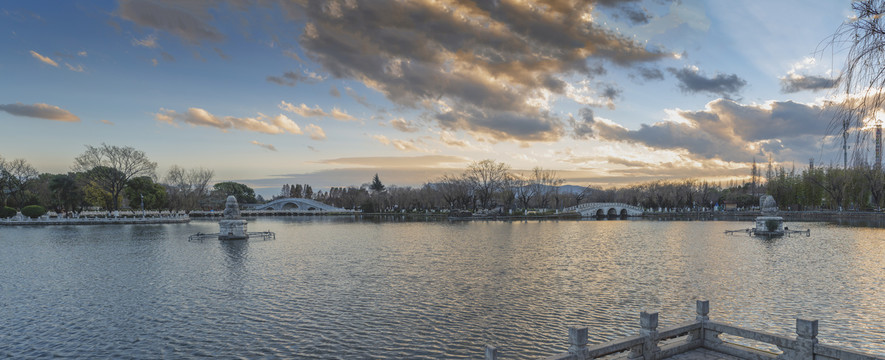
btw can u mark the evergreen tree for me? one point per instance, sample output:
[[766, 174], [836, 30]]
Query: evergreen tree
[[376, 186]]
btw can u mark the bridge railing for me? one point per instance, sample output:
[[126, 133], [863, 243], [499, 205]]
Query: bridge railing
[[654, 344], [579, 207]]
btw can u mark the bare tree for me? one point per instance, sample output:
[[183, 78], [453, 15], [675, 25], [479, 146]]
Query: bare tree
[[546, 184], [187, 189], [486, 177], [15, 177], [863, 75], [110, 167]]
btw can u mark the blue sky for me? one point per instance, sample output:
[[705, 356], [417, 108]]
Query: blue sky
[[331, 92]]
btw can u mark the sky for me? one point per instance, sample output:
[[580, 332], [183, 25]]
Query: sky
[[328, 93]]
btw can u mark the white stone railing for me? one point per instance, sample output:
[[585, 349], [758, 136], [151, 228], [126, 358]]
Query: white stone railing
[[98, 218], [591, 205], [652, 344]]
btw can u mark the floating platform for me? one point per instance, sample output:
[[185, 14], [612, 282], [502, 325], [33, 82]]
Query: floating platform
[[769, 227], [264, 235]]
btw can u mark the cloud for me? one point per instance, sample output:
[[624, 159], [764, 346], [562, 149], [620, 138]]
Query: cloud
[[692, 81], [198, 117], [266, 146], [187, 20], [449, 139], [149, 42], [221, 53], [401, 145], [404, 125], [291, 78], [500, 63], [315, 132], [305, 111], [334, 91], [107, 122], [357, 97], [41, 111], [583, 128], [487, 58], [502, 125], [82, 53], [288, 79], [730, 131], [43, 59], [426, 161], [627, 10], [649, 74], [793, 83], [78, 68], [293, 55]]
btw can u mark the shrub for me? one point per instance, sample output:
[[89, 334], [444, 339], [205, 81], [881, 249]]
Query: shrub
[[7, 212], [33, 211]]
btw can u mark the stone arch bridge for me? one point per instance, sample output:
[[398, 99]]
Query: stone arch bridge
[[298, 204], [605, 210]]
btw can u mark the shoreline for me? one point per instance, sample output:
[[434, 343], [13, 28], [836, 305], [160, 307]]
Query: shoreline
[[865, 218]]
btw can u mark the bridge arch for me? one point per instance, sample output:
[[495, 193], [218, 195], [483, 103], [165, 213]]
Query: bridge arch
[[605, 210], [298, 204]]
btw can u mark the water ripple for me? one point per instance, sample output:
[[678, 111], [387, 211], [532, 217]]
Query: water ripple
[[339, 288]]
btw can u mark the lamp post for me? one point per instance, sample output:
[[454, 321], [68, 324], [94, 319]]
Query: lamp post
[[142, 205]]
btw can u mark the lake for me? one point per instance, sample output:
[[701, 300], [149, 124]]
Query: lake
[[338, 287]]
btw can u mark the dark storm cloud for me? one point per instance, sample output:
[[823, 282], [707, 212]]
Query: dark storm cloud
[[794, 83], [724, 85]]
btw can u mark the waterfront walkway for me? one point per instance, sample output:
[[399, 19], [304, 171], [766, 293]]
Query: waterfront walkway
[[85, 220], [699, 339], [703, 354]]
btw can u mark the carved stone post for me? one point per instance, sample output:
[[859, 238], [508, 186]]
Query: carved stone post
[[703, 308], [648, 323], [806, 331], [577, 340], [491, 352]]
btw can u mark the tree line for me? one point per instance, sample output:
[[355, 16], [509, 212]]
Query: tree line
[[109, 177]]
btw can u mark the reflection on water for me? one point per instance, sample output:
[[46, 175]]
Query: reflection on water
[[342, 287]]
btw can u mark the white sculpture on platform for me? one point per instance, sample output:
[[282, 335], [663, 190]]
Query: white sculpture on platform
[[231, 227], [767, 204]]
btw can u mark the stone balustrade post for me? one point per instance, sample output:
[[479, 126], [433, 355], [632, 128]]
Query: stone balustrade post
[[648, 328], [703, 309], [491, 352], [577, 340], [806, 338]]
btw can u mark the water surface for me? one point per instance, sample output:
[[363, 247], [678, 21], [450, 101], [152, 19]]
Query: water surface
[[343, 288]]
